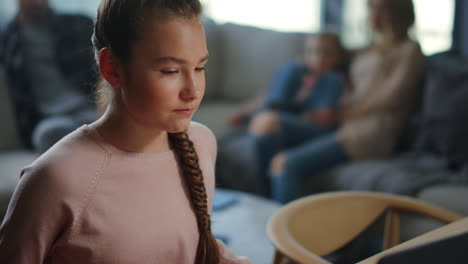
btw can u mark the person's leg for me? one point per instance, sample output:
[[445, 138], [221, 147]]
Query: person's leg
[[296, 131], [273, 132], [50, 130], [302, 162], [266, 139]]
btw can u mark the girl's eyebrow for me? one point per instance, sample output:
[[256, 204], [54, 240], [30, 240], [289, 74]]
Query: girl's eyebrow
[[204, 59], [170, 59], [177, 60]]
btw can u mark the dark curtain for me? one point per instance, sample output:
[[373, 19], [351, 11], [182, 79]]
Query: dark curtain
[[460, 29], [332, 14]]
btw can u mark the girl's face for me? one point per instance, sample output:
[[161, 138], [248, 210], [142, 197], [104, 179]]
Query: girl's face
[[378, 15], [164, 80], [322, 54]]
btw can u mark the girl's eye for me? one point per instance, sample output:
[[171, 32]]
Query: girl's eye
[[169, 71], [203, 68]]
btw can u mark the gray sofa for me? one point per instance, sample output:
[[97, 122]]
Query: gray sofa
[[13, 157], [245, 59], [242, 61]]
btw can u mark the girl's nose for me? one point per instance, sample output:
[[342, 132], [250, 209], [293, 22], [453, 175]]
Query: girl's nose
[[191, 90]]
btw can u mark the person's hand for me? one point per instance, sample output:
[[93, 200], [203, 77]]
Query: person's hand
[[235, 260], [325, 118], [236, 118], [342, 116], [354, 112], [228, 257]]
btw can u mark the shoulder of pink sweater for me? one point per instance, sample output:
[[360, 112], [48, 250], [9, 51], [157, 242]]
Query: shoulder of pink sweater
[[203, 138], [70, 166]]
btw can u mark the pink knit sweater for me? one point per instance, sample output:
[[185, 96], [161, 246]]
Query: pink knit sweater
[[85, 201]]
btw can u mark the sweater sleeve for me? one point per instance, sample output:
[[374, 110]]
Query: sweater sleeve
[[34, 219]]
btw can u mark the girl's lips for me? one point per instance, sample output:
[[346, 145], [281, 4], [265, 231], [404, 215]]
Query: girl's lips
[[184, 111]]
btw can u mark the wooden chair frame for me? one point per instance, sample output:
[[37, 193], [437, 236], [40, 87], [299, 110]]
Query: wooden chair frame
[[306, 229]]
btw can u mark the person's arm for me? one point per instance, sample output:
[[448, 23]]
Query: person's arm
[[326, 112], [33, 221], [273, 97], [228, 257], [395, 88], [246, 110], [326, 118], [283, 86]]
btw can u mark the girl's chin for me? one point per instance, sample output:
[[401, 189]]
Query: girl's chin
[[180, 127]]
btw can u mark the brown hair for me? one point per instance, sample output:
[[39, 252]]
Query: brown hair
[[118, 26], [401, 15], [340, 48]]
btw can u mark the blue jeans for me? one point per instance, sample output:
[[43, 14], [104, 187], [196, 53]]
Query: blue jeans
[[308, 148], [303, 162]]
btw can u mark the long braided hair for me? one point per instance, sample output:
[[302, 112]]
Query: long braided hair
[[117, 27]]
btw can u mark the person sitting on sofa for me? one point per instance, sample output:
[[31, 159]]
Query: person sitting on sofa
[[49, 66], [299, 105], [384, 79], [324, 51]]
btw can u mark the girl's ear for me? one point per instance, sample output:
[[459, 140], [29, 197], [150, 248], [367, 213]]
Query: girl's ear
[[110, 68]]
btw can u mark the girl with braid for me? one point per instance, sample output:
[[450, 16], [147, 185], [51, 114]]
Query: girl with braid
[[136, 186]]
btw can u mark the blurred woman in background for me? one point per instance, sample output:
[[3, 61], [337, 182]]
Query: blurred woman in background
[[384, 80]]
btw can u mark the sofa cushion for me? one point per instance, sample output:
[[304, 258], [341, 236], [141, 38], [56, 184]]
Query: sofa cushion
[[250, 57], [8, 135], [234, 166], [449, 196], [443, 116], [403, 174], [214, 114], [213, 67], [11, 164]]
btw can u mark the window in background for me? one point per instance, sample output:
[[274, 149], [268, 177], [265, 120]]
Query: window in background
[[434, 35], [355, 31], [7, 11], [435, 24], [291, 15]]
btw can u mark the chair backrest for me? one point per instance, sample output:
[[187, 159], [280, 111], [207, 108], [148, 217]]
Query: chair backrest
[[318, 225], [432, 241]]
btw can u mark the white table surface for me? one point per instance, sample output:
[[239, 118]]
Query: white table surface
[[244, 224]]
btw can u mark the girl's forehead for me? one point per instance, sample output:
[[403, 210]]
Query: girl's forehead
[[173, 36], [171, 28]]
